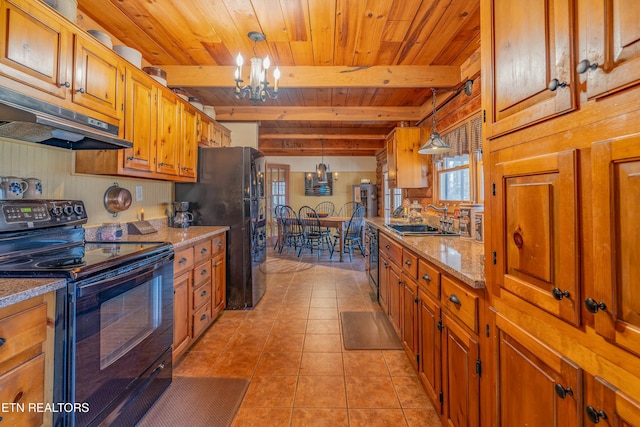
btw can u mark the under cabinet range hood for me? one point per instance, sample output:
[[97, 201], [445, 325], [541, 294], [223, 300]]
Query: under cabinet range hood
[[29, 119]]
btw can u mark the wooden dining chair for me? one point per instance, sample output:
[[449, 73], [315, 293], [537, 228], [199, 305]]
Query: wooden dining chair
[[291, 228], [313, 235], [349, 208], [353, 233], [326, 207]]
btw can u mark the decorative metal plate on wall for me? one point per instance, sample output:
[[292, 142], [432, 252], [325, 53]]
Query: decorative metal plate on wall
[[314, 188]]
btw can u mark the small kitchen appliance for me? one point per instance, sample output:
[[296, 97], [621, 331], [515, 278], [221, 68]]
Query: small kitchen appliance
[[182, 218]]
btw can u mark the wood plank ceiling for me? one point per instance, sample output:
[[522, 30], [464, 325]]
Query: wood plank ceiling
[[351, 69]]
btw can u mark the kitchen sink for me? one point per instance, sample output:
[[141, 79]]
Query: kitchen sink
[[418, 230]]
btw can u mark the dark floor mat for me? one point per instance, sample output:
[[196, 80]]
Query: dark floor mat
[[197, 402], [368, 330]]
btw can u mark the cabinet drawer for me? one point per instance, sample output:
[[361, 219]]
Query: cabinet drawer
[[201, 295], [183, 261], [22, 331], [410, 264], [24, 384], [429, 278], [202, 251], [460, 302], [201, 274], [218, 244], [392, 249], [201, 319]]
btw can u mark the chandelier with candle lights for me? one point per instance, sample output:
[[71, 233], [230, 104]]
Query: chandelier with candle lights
[[258, 87]]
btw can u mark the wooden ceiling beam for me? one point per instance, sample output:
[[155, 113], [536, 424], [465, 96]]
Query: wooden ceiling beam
[[396, 76], [334, 114], [319, 136], [316, 153], [329, 146]]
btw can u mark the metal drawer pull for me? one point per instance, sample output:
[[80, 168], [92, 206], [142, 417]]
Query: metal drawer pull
[[594, 415], [408, 262], [203, 251], [182, 260], [584, 66], [387, 246], [81, 90], [559, 294], [454, 299], [562, 392], [2, 341], [593, 306], [203, 272], [203, 317], [427, 277], [203, 293], [219, 243], [555, 84]]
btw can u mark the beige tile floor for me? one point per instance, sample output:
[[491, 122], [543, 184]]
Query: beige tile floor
[[290, 347]]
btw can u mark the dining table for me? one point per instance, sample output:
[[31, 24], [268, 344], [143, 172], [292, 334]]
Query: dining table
[[336, 222]]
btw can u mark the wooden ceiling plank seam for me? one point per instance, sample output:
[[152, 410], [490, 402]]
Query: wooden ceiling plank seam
[[421, 29], [296, 17], [466, 35], [404, 10], [242, 15], [271, 18], [322, 24], [368, 38], [116, 22], [348, 23], [302, 52], [452, 20]]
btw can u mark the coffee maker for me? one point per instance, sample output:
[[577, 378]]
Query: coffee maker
[[182, 218]]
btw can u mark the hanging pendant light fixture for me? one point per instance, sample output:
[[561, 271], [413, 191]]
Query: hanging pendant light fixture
[[435, 144], [322, 169], [258, 87]]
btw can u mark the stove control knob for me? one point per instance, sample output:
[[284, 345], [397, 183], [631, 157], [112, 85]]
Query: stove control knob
[[68, 210], [56, 211], [79, 210]]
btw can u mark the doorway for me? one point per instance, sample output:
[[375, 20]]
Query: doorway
[[277, 193]]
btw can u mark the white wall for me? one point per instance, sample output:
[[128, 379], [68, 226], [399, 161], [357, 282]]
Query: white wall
[[243, 134]]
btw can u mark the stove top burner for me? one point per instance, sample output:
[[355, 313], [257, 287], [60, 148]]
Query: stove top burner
[[62, 264]]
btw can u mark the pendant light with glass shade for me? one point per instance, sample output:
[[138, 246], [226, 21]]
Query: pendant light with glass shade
[[322, 169], [435, 144]]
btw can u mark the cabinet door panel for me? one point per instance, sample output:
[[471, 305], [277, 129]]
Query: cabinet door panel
[[168, 133], [409, 319], [616, 179], [539, 232], [613, 42], [528, 374], [140, 123], [35, 51], [430, 337], [395, 286], [531, 46], [384, 283], [460, 381], [97, 78], [189, 144], [602, 398]]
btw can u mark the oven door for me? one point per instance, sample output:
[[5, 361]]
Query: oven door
[[123, 325]]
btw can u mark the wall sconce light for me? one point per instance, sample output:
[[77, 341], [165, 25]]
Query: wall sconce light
[[334, 176]]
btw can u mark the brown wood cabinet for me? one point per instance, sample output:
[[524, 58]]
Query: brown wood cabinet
[[199, 290], [214, 134], [429, 347], [190, 131], [409, 318], [530, 51], [561, 212], [407, 168], [26, 359]]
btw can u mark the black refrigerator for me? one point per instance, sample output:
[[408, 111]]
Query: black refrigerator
[[230, 191]]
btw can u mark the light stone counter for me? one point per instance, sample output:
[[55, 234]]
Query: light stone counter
[[178, 237], [460, 258], [13, 290]]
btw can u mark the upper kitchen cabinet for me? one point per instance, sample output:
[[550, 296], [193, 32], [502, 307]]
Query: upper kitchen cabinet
[[46, 57], [140, 121], [407, 168], [611, 55], [36, 53], [191, 128], [169, 137], [531, 62], [616, 193]]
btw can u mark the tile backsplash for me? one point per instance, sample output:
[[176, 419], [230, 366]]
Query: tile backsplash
[[54, 167]]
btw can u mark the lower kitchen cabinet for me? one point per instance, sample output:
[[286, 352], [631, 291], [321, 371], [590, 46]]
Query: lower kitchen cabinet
[[199, 290], [409, 321], [26, 359], [429, 348], [607, 406]]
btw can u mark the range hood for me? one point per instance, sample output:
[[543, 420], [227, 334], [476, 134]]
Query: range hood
[[29, 119]]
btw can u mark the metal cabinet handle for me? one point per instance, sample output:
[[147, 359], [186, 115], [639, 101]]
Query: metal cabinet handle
[[2, 341], [81, 90], [219, 243], [562, 392], [594, 415], [408, 262], [559, 294], [130, 158], [161, 164], [203, 272], [593, 306], [555, 84], [454, 299], [203, 317], [584, 66], [65, 84], [203, 251], [182, 260], [427, 277], [203, 293]]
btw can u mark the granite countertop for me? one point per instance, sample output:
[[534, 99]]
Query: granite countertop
[[460, 258], [14, 290]]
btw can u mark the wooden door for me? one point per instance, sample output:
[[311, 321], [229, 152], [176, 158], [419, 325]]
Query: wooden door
[[613, 43], [461, 375], [616, 200], [168, 133], [537, 235], [189, 142], [607, 406], [536, 386], [219, 283], [36, 50], [409, 318], [429, 343], [181, 314], [97, 78], [395, 286], [531, 46], [140, 121], [383, 282]]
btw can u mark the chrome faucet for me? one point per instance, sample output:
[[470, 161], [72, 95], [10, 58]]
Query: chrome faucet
[[443, 219]]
